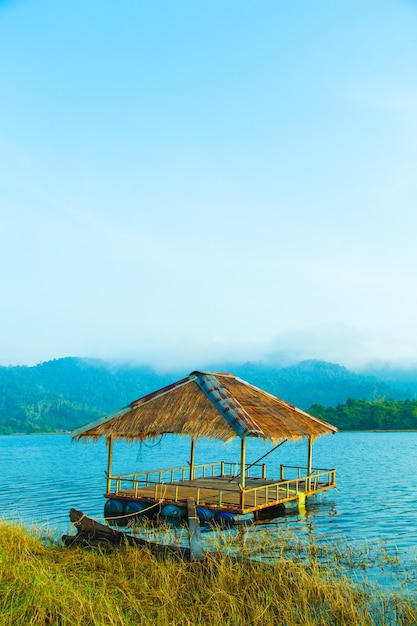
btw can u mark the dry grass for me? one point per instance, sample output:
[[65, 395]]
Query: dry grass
[[44, 583]]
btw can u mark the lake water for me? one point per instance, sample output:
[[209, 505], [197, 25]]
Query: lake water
[[43, 476]]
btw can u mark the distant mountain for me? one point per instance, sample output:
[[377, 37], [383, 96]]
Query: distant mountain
[[311, 382], [63, 394], [403, 379]]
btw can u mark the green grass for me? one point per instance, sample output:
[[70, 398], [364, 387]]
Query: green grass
[[44, 583]]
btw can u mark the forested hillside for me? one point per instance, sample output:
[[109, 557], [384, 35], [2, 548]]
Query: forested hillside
[[63, 394], [365, 415], [321, 382]]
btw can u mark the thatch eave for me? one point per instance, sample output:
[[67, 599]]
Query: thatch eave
[[212, 405]]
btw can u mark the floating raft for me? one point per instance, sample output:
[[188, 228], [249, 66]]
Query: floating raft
[[215, 405], [215, 490]]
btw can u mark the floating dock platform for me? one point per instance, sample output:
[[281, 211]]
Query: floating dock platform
[[216, 489], [217, 406]]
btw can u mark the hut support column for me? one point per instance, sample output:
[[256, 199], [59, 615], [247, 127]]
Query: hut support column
[[109, 463], [309, 461], [192, 458], [243, 462]]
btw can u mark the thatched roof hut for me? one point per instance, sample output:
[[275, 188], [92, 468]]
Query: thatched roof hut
[[213, 405], [210, 404]]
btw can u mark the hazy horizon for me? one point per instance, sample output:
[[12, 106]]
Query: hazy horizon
[[271, 361]]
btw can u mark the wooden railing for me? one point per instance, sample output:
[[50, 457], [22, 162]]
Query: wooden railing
[[288, 489], [288, 472], [319, 478], [176, 474], [293, 481]]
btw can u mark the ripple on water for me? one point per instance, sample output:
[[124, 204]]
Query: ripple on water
[[43, 476]]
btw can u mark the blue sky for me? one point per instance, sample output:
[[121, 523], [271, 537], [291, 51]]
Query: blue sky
[[187, 181]]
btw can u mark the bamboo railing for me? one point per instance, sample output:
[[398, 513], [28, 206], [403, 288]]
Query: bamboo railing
[[176, 485]]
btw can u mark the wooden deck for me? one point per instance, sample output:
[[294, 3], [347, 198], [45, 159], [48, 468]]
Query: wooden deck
[[221, 492]]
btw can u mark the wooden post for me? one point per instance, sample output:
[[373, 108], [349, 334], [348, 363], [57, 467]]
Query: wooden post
[[243, 463], [309, 461], [109, 463], [196, 550], [192, 458]]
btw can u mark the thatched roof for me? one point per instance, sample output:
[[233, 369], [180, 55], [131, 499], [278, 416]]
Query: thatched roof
[[210, 404]]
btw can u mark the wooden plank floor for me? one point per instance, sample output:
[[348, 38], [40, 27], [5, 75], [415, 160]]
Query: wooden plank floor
[[215, 492]]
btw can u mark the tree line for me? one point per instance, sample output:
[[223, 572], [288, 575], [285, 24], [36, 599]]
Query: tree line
[[369, 415], [60, 415]]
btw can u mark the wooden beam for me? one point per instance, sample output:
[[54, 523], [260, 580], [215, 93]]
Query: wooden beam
[[192, 455], [196, 549], [243, 462], [309, 460], [109, 463]]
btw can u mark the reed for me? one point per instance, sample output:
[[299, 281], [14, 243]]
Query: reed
[[42, 582]]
